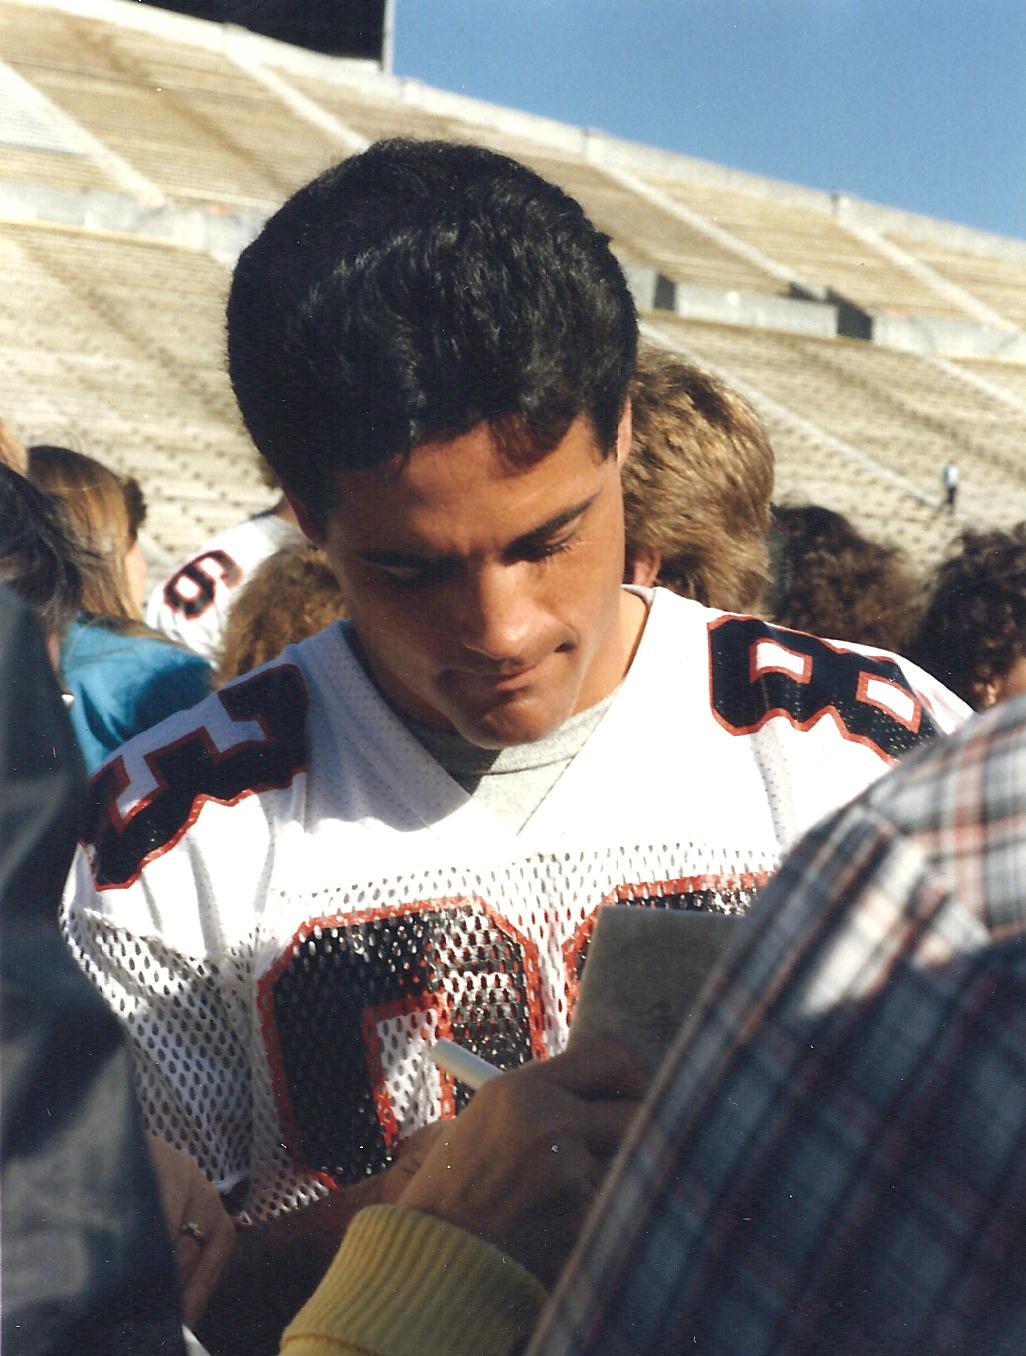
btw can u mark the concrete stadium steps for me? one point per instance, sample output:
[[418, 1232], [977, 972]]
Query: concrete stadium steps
[[188, 120], [811, 472], [652, 237], [374, 108], [114, 345], [812, 467], [196, 124], [375, 115], [57, 169], [814, 246], [113, 342], [876, 427], [1000, 283], [1008, 377]]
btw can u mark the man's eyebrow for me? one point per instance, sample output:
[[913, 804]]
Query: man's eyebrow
[[554, 524], [416, 560], [396, 558]]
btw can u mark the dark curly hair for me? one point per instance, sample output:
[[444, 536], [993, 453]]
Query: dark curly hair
[[832, 581], [413, 292], [973, 628]]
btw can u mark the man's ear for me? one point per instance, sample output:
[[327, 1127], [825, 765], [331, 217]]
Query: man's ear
[[306, 525], [987, 694], [642, 565], [623, 434]]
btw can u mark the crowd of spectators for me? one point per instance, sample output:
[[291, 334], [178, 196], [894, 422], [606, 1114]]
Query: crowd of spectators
[[521, 629]]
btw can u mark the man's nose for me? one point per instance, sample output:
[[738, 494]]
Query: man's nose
[[498, 616]]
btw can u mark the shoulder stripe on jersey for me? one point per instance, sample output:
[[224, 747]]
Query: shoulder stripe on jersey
[[758, 672], [192, 770]]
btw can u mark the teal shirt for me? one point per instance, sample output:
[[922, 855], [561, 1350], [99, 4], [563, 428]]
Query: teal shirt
[[123, 684]]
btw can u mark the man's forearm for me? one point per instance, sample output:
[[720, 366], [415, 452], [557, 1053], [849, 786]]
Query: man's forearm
[[276, 1267]]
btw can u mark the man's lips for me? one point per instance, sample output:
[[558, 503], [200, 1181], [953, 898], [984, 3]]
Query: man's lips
[[498, 680]]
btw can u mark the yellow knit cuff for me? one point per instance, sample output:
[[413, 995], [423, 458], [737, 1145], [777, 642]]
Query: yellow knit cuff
[[406, 1284]]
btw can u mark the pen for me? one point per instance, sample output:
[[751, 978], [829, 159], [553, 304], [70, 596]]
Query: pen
[[468, 1068]]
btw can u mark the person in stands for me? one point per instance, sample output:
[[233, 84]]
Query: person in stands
[[949, 480]]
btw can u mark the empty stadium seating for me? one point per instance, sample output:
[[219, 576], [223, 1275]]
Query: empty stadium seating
[[111, 319]]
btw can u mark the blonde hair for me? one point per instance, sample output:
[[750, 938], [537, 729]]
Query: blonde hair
[[698, 482], [12, 450], [105, 510], [289, 596]]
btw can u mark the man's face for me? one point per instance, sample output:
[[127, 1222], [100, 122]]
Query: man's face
[[486, 596]]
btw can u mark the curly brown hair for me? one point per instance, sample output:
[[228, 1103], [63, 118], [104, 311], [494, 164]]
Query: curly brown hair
[[697, 483], [973, 628], [832, 581], [289, 596]]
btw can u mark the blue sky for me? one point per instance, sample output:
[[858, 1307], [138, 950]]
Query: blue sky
[[917, 103]]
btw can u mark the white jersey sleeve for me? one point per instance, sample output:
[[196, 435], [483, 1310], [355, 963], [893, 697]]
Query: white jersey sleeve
[[941, 706], [191, 606], [162, 918]]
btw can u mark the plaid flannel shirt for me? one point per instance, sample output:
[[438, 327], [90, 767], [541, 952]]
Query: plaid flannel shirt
[[832, 1159]]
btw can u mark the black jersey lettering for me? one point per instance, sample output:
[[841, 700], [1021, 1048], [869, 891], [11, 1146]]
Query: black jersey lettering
[[352, 1006], [191, 590], [192, 770], [758, 672]]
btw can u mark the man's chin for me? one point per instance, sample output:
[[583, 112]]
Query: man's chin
[[505, 726]]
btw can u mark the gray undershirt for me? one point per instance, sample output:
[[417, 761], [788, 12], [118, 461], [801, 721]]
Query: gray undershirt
[[510, 783]]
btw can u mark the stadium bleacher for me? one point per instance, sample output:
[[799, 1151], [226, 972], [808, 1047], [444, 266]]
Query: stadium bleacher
[[139, 149]]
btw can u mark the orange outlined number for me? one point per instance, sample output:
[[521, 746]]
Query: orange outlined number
[[758, 672], [193, 770], [348, 1011]]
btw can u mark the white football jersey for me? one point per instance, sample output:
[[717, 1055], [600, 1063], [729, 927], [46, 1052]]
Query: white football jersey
[[192, 604], [287, 899]]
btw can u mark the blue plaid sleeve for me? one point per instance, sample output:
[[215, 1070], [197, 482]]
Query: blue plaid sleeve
[[832, 1158]]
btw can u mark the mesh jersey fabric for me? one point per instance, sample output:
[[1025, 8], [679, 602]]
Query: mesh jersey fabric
[[287, 900], [192, 604]]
